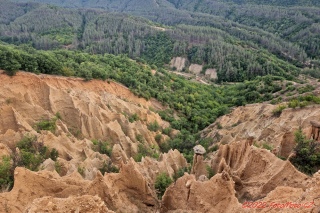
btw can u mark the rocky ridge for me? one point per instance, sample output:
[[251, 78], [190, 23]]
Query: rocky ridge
[[100, 110]]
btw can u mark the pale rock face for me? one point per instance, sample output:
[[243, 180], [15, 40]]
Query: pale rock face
[[200, 150], [86, 203], [89, 110], [246, 164], [211, 73], [93, 110], [198, 167], [98, 110], [131, 190], [189, 195], [195, 68], [257, 121], [178, 62], [169, 163]]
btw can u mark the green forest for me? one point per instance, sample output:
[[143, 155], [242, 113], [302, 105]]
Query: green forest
[[258, 49], [237, 49]]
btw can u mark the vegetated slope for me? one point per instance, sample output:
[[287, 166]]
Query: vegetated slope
[[237, 51], [191, 106], [294, 24]]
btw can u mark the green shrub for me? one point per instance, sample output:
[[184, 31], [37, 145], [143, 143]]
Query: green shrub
[[6, 173], [205, 142], [180, 173], [102, 147], [154, 126], [144, 151], [140, 138], [158, 138], [210, 171], [33, 153], [58, 115], [293, 103], [267, 146], [167, 131], [30, 160], [164, 147], [81, 170], [307, 154], [49, 125], [133, 118], [305, 89], [213, 148], [57, 167], [108, 168], [277, 112], [54, 154], [161, 184]]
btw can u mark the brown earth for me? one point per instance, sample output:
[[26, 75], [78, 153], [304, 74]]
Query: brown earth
[[101, 110], [251, 179]]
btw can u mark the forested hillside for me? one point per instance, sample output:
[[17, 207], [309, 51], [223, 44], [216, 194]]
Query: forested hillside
[[189, 107], [296, 21], [263, 48], [238, 51]]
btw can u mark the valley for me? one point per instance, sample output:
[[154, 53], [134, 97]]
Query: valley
[[159, 106]]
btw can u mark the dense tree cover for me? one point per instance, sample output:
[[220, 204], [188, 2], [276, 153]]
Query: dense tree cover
[[298, 25], [238, 51]]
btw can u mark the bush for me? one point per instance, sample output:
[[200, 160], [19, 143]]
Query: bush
[[81, 170], [180, 173], [277, 112], [210, 171], [161, 184], [49, 125], [167, 131], [307, 156], [144, 151], [267, 146], [133, 118], [154, 126], [213, 148], [30, 160], [305, 89], [57, 167], [54, 154], [6, 173], [33, 153], [108, 168], [158, 138], [102, 147], [140, 138]]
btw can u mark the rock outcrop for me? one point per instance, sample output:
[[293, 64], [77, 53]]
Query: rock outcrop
[[199, 168], [93, 110], [131, 190], [178, 62], [315, 130], [248, 164], [81, 111], [190, 195], [257, 121]]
